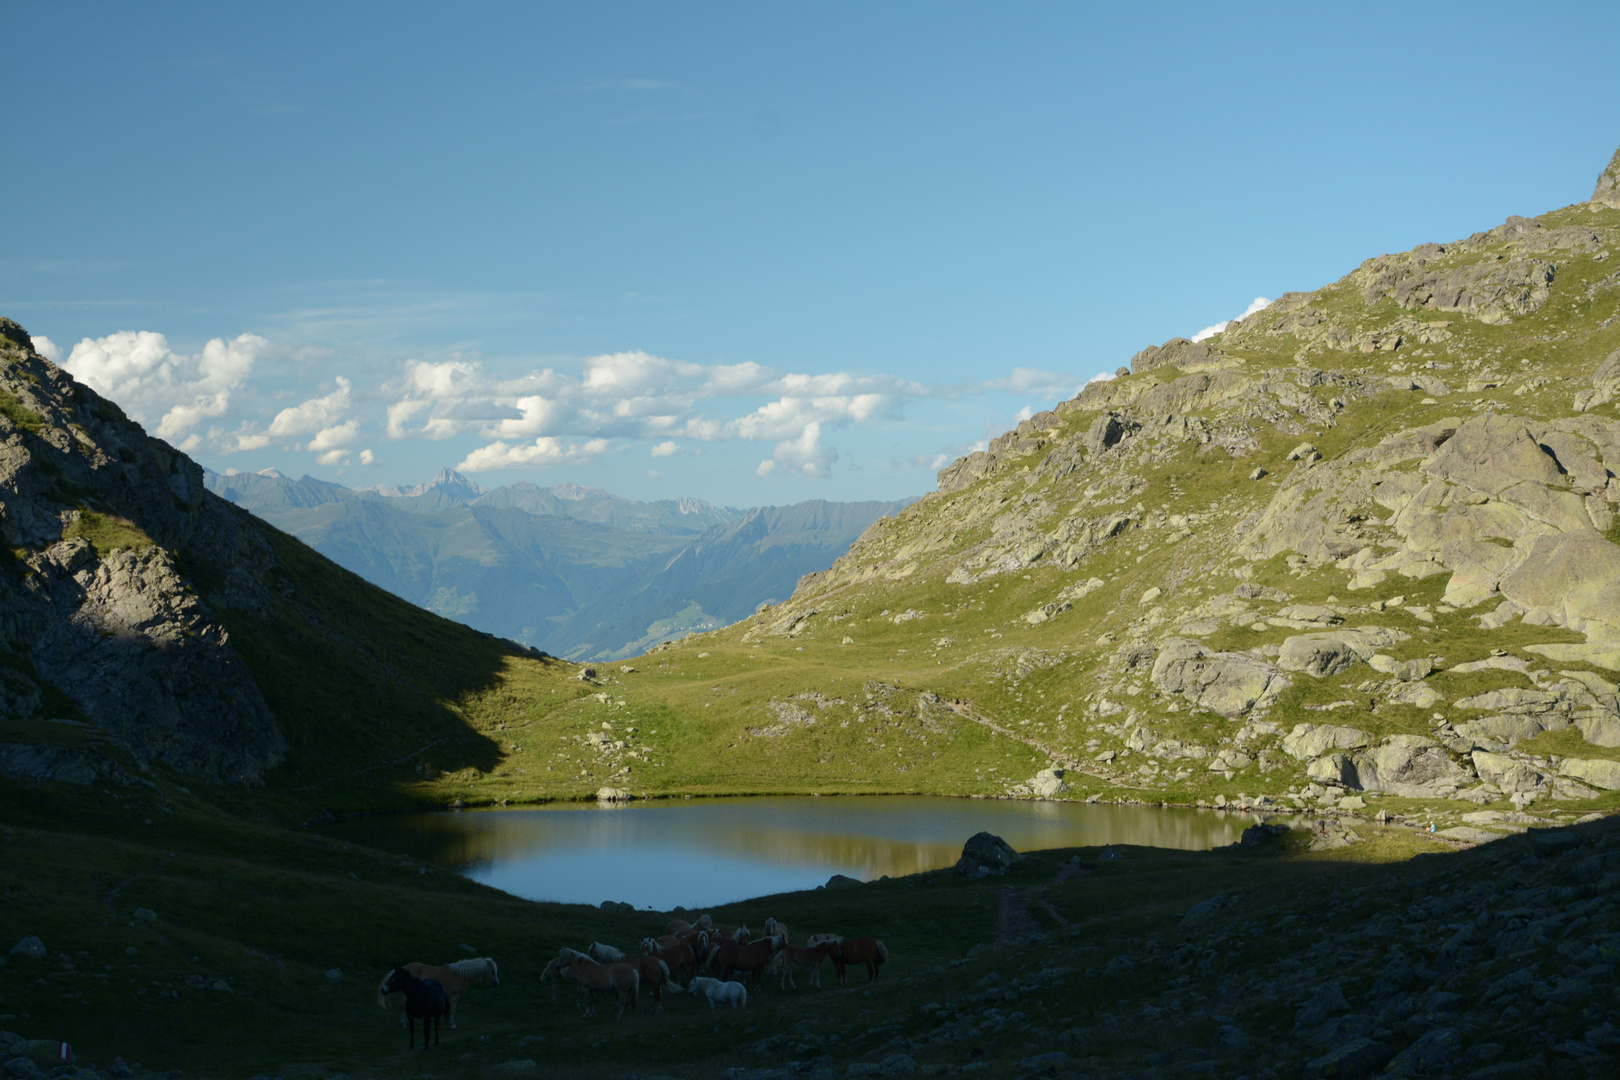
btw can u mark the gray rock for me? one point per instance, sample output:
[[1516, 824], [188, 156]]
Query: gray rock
[[1598, 772], [899, 1065], [1409, 765], [1333, 651], [1048, 784], [1326, 1003], [1177, 352], [1352, 1060], [1308, 741], [1509, 774], [1607, 191], [1231, 684], [30, 947], [21, 1068], [985, 853], [613, 794], [1431, 1053], [842, 881]]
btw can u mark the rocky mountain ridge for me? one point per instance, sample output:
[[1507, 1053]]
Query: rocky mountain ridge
[[1362, 543], [95, 607]]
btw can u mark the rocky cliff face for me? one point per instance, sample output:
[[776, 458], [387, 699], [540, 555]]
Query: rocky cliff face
[[99, 623], [1364, 541]]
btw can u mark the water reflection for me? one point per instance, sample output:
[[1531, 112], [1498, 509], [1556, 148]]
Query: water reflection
[[712, 851]]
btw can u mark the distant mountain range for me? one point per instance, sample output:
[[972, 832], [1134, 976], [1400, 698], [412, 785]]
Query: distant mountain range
[[573, 570]]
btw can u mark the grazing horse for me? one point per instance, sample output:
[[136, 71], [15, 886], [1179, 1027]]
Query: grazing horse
[[676, 955], [750, 958], [809, 956], [777, 929], [456, 978], [554, 971], [623, 980], [681, 926], [605, 954], [715, 991], [861, 950], [425, 1000]]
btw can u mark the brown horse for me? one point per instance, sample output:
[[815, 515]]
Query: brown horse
[[861, 950], [802, 956], [456, 978], [675, 953], [655, 974], [750, 958], [681, 926], [623, 980]]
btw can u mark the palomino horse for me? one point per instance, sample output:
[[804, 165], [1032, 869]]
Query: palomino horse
[[654, 974], [750, 958], [681, 926], [456, 978], [557, 970], [623, 980], [717, 991], [809, 956], [777, 929], [425, 1000], [676, 955], [861, 950], [605, 954]]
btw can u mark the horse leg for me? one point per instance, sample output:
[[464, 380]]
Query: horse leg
[[451, 1011], [410, 1026]]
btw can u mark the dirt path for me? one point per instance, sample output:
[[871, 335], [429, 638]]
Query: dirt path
[[1015, 921]]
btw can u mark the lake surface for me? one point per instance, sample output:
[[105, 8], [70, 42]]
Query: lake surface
[[704, 852]]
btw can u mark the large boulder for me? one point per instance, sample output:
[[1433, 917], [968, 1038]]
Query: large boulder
[[1308, 741], [1333, 651], [1229, 683], [1576, 578], [1598, 772], [1412, 766], [985, 853], [1510, 774], [1492, 453]]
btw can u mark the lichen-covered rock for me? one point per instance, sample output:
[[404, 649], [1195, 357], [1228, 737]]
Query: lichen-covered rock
[[1333, 651], [1310, 741], [1232, 684], [1598, 772]]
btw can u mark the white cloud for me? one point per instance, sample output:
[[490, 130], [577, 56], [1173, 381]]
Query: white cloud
[[331, 457], [47, 348], [313, 415], [344, 434], [544, 451], [367, 457], [1034, 383], [1259, 303], [804, 454], [668, 448], [153, 383]]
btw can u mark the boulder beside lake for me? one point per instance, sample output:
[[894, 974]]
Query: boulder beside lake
[[985, 853]]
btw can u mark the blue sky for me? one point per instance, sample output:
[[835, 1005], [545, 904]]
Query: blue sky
[[754, 253]]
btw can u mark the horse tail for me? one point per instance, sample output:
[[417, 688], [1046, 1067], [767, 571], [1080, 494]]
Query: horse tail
[[882, 953], [663, 973], [743, 991]]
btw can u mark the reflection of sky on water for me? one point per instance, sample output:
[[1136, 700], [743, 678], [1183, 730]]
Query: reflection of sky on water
[[713, 851]]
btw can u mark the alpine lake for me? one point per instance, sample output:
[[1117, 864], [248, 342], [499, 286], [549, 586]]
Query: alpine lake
[[698, 853]]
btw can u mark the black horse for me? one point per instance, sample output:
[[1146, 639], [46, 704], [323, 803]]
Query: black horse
[[425, 1000]]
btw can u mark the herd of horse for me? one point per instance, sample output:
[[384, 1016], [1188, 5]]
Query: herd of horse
[[720, 965]]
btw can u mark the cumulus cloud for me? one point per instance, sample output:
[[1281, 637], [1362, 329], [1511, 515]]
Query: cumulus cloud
[[542, 452], [1259, 303], [803, 454], [667, 448], [47, 348], [158, 386]]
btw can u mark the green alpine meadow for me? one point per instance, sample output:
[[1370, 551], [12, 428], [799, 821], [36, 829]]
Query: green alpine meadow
[[1351, 564]]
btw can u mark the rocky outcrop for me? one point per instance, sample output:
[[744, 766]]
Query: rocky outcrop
[[94, 603], [1231, 684], [1333, 651], [1607, 191], [985, 853], [1410, 765]]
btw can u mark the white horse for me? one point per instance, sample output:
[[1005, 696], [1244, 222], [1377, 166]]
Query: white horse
[[605, 954], [717, 991], [773, 928]]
